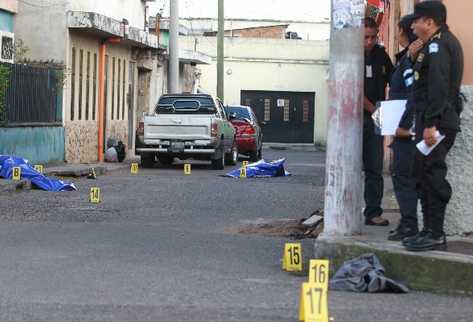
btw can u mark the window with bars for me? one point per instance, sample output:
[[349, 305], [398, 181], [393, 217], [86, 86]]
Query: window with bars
[[113, 87], [81, 68], [305, 111], [119, 74], [107, 63], [73, 82], [87, 88], [94, 102], [286, 110], [124, 89], [267, 109]]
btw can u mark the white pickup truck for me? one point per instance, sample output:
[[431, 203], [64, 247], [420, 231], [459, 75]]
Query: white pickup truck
[[187, 126]]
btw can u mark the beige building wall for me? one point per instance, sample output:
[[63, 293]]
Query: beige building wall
[[81, 102], [9, 5], [459, 20], [269, 65]]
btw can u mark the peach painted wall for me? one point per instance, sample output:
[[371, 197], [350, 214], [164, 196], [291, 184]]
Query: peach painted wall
[[459, 20]]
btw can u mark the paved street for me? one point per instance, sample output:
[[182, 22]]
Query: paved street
[[156, 250]]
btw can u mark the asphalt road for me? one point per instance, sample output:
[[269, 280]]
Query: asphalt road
[[156, 249]]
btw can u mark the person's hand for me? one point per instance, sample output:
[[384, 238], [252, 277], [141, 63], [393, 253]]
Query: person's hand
[[429, 136], [414, 48], [368, 106], [403, 133]]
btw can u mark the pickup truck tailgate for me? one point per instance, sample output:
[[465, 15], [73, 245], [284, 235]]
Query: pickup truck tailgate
[[180, 127]]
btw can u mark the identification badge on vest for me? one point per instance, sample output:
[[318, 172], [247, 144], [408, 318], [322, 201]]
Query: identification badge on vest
[[369, 71]]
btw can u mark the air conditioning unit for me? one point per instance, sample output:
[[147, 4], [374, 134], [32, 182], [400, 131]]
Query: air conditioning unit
[[7, 47]]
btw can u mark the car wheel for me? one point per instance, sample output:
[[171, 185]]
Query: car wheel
[[165, 159], [219, 162], [232, 157], [147, 160], [254, 156]]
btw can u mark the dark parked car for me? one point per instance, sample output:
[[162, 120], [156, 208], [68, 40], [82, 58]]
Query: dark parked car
[[249, 136]]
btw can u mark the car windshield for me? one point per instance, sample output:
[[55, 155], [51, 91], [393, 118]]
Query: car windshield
[[241, 112], [186, 105]]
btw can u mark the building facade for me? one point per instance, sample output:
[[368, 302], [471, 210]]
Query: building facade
[[98, 42], [285, 81], [8, 9]]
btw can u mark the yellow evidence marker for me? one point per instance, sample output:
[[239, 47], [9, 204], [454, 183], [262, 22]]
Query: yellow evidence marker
[[16, 174], [95, 195], [134, 168], [314, 295], [243, 172], [39, 168], [245, 164], [187, 169], [292, 258], [318, 271]]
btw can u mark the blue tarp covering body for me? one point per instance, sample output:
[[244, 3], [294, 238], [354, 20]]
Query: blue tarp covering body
[[7, 163], [262, 169]]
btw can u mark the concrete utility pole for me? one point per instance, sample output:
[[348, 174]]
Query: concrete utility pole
[[343, 191], [220, 50], [173, 76]]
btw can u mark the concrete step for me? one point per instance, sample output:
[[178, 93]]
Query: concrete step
[[447, 272]]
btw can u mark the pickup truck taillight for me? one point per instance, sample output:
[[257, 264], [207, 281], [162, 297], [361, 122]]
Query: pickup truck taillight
[[140, 131], [214, 130]]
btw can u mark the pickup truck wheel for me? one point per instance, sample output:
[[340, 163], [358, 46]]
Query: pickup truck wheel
[[165, 159], [147, 160], [219, 163], [232, 157]]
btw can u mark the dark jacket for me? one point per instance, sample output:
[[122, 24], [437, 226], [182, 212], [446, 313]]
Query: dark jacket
[[401, 85], [438, 74], [379, 65]]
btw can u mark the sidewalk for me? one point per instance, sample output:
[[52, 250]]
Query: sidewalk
[[450, 271], [306, 147], [66, 170]]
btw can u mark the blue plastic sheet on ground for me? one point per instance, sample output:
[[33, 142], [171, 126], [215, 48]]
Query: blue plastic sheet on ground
[[7, 163], [262, 169]]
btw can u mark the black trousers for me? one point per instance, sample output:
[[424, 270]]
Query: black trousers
[[373, 155], [433, 188], [403, 180]]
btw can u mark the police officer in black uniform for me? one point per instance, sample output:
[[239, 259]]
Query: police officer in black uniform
[[378, 70], [438, 73]]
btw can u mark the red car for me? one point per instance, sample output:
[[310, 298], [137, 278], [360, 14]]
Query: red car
[[249, 136]]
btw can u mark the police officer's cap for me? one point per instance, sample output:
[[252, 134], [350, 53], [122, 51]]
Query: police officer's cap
[[431, 9]]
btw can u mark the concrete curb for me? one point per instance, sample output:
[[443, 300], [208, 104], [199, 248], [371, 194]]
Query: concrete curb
[[76, 171], [428, 271]]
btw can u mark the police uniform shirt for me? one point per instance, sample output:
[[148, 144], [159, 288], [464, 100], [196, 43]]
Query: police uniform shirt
[[438, 73], [378, 70]]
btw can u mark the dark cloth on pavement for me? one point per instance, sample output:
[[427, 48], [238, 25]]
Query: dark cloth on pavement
[[364, 274]]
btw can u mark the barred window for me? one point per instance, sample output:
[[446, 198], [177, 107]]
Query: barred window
[[286, 110], [118, 87], [87, 88], [73, 82], [305, 111], [94, 88], [113, 88], [81, 66], [267, 109]]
